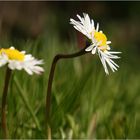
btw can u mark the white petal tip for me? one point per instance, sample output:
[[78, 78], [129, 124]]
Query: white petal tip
[[12, 47], [87, 50]]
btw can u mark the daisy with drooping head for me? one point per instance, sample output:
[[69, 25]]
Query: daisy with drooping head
[[100, 44], [19, 60]]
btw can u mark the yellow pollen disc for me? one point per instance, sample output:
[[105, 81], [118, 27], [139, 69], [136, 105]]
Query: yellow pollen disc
[[100, 37], [13, 54]]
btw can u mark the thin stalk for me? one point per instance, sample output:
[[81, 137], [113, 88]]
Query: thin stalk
[[3, 110], [51, 75]]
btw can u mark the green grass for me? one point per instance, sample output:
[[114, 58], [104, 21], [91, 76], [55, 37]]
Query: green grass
[[85, 102]]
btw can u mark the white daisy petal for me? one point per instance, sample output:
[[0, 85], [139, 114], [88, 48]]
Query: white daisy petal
[[92, 24], [3, 59], [111, 65], [108, 47], [105, 66], [93, 50], [100, 45], [110, 52], [78, 26], [103, 61], [90, 48], [23, 52], [85, 26], [87, 22], [12, 47], [109, 61], [19, 60], [79, 17], [108, 42], [97, 27], [114, 63], [110, 55], [28, 71]]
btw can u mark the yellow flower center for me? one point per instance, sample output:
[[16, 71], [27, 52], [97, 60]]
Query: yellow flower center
[[13, 54], [101, 37]]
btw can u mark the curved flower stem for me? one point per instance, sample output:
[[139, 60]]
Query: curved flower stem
[[51, 75], [4, 95]]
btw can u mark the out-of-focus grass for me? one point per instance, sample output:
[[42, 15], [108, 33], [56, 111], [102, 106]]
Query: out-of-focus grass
[[85, 102]]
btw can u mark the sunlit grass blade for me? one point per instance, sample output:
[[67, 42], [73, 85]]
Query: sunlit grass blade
[[26, 102]]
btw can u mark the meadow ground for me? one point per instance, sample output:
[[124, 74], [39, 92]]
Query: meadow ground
[[86, 103]]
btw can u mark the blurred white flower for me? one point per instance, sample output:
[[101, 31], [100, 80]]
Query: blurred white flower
[[99, 43], [19, 60]]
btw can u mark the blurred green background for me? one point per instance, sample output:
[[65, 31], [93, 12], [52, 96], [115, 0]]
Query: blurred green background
[[85, 102]]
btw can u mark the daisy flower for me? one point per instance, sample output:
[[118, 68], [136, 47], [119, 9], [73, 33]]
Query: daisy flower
[[19, 60], [99, 43]]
